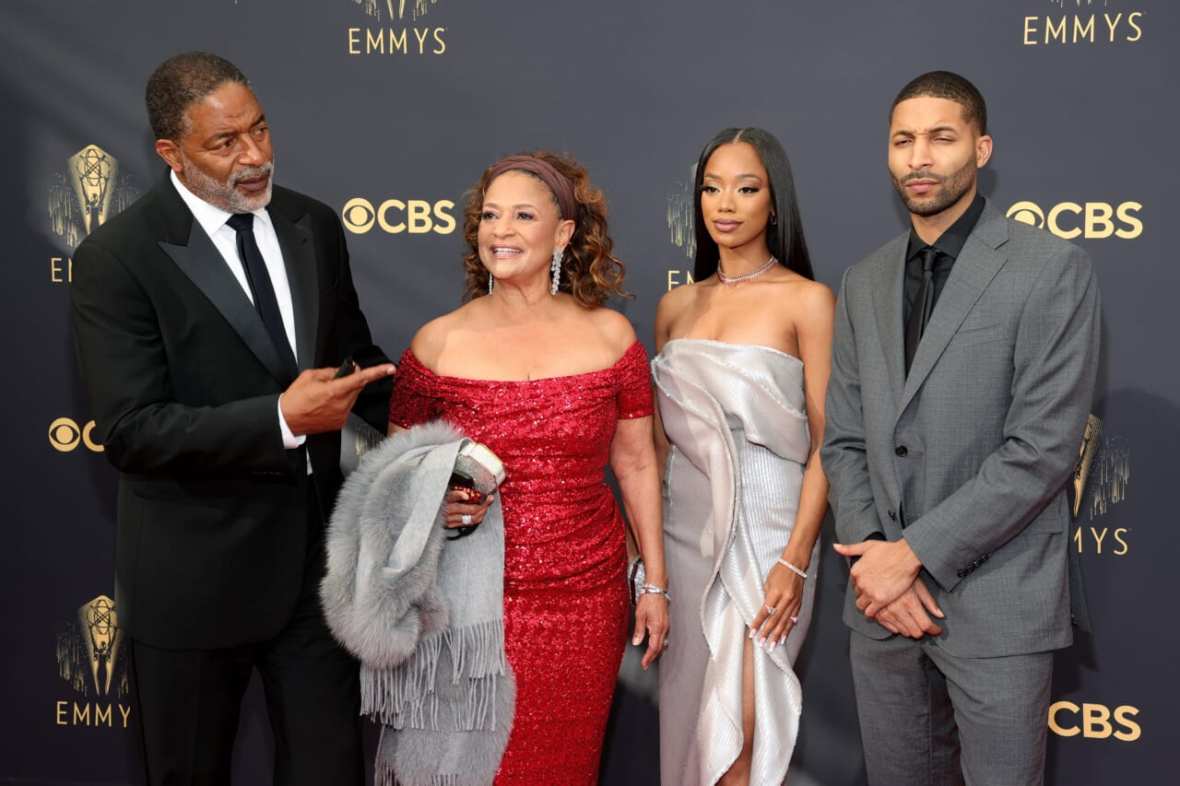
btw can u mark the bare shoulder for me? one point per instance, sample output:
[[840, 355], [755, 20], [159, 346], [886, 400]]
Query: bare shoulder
[[615, 329], [677, 298], [431, 338], [673, 303], [814, 300]]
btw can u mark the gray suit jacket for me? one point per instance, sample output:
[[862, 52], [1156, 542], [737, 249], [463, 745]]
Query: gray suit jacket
[[976, 445]]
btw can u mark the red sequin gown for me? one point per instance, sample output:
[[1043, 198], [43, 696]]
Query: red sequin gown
[[565, 596]]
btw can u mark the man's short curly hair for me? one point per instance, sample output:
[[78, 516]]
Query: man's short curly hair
[[951, 86], [181, 81]]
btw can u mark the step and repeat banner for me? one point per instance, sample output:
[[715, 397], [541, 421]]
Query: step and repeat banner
[[388, 110]]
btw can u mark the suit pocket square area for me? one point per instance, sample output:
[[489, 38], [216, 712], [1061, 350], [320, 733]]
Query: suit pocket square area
[[978, 334]]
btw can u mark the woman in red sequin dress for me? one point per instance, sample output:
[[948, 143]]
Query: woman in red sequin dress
[[558, 387]]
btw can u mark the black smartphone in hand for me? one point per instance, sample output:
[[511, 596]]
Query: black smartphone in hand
[[348, 367]]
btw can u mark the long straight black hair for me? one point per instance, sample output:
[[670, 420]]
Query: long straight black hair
[[785, 236]]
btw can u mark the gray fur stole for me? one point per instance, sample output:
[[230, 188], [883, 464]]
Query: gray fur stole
[[423, 614]]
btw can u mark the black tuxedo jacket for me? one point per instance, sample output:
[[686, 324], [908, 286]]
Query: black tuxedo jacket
[[213, 526]]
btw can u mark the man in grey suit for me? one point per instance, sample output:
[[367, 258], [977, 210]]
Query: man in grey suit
[[964, 364]]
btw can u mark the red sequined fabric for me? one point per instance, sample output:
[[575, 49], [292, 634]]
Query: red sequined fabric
[[565, 597]]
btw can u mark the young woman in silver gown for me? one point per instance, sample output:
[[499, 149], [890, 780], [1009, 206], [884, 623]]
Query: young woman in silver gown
[[741, 372]]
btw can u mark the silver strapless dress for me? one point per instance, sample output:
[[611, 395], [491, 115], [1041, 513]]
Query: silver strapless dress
[[736, 419]]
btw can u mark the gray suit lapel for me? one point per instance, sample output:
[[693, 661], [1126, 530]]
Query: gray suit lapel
[[975, 268], [205, 267], [888, 279], [299, 259]]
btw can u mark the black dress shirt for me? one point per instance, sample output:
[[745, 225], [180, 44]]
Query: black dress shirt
[[948, 246]]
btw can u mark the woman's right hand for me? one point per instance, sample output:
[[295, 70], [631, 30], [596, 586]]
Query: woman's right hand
[[462, 502]]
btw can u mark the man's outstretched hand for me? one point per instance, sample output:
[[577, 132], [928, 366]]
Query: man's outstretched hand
[[317, 402]]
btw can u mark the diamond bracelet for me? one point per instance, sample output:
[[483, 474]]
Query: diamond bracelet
[[652, 589], [797, 571]]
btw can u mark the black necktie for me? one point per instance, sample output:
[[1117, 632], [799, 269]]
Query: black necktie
[[260, 286], [923, 305]]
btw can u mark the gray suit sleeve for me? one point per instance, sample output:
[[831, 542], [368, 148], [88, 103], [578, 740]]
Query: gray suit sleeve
[[843, 454], [1056, 365]]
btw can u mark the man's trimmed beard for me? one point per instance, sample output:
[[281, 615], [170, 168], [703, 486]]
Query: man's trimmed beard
[[225, 195], [952, 189]]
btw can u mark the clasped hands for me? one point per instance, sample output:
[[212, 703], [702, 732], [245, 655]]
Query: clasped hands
[[888, 588]]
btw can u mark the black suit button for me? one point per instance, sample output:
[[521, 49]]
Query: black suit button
[[893, 515], [901, 450], [961, 574]]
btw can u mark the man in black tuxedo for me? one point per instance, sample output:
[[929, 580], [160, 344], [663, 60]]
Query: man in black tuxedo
[[210, 317]]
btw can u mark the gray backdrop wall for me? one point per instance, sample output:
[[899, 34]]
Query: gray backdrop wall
[[389, 110]]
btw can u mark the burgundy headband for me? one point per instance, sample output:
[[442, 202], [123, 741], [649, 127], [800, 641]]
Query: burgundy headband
[[559, 184]]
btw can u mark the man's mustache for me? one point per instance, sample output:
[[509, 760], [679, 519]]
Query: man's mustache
[[922, 175], [251, 173]]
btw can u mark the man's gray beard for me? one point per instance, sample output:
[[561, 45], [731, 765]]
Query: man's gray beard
[[953, 189], [224, 195]]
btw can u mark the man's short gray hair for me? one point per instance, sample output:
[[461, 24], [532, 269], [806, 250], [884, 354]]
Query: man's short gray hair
[[181, 81]]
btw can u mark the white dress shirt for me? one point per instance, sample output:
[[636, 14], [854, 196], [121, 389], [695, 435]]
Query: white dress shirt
[[225, 239]]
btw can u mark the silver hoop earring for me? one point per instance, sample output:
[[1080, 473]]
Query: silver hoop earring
[[491, 283], [555, 269]]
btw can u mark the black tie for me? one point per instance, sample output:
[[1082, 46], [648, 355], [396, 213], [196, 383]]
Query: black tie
[[923, 305], [260, 286]]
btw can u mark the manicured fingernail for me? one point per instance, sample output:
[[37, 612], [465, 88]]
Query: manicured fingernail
[[752, 631]]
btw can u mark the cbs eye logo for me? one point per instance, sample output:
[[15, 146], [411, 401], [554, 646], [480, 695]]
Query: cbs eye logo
[[65, 435], [395, 216], [1093, 220]]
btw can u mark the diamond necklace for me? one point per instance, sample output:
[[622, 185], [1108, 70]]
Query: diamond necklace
[[731, 280]]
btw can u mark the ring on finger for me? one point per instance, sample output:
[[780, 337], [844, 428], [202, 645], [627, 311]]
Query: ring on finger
[[466, 519], [769, 609], [793, 619]]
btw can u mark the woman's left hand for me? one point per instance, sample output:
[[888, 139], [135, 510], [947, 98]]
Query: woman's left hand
[[783, 593], [651, 616]]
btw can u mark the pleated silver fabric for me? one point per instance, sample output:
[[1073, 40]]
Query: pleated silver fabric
[[736, 419]]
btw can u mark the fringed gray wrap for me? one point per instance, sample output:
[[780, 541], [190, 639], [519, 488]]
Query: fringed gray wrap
[[423, 614]]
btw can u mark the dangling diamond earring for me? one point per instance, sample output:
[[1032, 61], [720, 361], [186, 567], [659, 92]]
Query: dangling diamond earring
[[491, 283], [555, 269]]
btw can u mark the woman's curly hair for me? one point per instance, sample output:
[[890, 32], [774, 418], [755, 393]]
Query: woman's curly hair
[[589, 271]]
